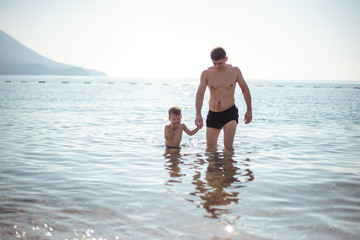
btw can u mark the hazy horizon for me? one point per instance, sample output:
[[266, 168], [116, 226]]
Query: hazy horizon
[[268, 40]]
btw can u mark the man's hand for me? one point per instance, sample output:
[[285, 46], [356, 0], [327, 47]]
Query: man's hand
[[199, 121], [248, 117]]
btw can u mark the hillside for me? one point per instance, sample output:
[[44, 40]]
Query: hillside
[[17, 59]]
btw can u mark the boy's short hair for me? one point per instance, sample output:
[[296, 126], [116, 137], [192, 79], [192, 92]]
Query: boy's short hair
[[218, 53], [175, 110]]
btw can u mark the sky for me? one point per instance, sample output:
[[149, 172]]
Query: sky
[[266, 39]]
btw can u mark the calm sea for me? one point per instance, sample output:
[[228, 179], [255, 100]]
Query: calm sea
[[84, 158]]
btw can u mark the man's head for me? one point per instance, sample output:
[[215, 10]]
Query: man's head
[[218, 53], [219, 58]]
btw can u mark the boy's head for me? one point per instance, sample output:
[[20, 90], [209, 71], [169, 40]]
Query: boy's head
[[175, 115], [175, 110]]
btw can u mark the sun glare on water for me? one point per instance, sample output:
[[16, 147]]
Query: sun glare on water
[[229, 228]]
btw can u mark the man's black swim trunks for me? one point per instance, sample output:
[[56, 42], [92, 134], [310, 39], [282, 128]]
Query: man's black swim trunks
[[219, 119]]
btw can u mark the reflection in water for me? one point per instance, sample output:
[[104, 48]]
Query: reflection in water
[[217, 179], [174, 159], [220, 186]]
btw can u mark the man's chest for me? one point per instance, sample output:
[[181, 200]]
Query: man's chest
[[224, 81]]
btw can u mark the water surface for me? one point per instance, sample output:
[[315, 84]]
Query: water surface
[[84, 158]]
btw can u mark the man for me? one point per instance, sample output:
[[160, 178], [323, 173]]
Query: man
[[221, 80]]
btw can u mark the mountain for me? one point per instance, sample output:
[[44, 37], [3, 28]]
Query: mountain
[[17, 59]]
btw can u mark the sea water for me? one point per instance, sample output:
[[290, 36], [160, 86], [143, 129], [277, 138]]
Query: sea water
[[84, 158]]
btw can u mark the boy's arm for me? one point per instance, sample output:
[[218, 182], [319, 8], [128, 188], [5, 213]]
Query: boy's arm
[[191, 132], [168, 133]]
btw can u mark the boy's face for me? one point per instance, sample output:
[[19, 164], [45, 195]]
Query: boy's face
[[175, 120]]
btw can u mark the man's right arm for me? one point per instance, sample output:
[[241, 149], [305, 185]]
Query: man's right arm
[[199, 99]]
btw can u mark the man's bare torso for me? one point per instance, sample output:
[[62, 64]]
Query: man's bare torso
[[221, 85]]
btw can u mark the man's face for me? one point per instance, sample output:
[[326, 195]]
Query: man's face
[[220, 64]]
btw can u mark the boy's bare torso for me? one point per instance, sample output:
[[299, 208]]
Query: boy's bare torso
[[221, 85], [176, 140]]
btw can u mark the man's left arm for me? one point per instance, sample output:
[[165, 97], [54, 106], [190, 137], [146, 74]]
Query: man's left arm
[[247, 96]]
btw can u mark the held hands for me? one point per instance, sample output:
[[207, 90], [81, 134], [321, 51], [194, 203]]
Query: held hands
[[248, 117], [199, 121]]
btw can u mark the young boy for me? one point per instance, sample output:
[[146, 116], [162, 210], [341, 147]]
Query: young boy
[[173, 131]]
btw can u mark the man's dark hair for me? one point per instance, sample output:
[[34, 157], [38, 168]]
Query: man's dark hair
[[218, 53]]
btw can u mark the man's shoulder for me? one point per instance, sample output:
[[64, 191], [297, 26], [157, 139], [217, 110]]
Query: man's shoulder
[[209, 70], [233, 67], [206, 73], [235, 70]]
